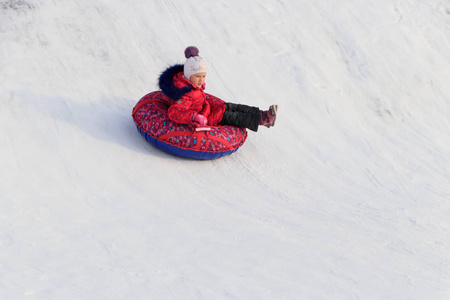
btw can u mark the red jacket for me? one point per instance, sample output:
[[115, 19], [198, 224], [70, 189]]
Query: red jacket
[[186, 99]]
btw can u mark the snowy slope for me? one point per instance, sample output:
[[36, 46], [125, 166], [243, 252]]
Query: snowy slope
[[347, 197]]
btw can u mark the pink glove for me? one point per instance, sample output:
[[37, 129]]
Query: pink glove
[[200, 119]]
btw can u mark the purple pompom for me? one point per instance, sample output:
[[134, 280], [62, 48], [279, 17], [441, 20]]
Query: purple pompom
[[191, 51]]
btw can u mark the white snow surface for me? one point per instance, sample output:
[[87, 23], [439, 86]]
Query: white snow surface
[[347, 197]]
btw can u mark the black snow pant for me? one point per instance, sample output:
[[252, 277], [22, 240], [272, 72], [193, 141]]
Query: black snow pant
[[240, 115]]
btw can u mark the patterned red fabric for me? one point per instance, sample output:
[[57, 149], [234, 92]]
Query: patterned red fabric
[[151, 115]]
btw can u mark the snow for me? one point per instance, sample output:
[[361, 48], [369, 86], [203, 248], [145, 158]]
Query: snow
[[347, 197]]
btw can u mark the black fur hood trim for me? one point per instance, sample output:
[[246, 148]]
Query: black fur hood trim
[[166, 83]]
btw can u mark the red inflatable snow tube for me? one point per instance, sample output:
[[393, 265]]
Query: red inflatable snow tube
[[185, 140]]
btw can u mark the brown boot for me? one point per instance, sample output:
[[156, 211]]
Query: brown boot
[[268, 117]]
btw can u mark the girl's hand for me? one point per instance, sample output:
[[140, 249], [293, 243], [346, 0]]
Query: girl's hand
[[200, 119]]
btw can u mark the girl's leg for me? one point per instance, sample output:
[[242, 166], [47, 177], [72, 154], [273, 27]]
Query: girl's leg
[[248, 116], [241, 108], [240, 115]]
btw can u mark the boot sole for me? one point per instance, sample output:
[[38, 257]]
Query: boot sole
[[274, 109]]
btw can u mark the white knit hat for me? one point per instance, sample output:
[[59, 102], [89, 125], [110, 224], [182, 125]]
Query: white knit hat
[[194, 63]]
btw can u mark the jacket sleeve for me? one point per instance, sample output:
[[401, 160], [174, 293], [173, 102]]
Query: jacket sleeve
[[181, 111], [206, 109], [217, 107]]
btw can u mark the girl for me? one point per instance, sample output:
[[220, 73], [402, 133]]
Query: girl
[[184, 85]]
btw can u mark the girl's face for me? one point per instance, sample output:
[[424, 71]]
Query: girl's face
[[198, 79]]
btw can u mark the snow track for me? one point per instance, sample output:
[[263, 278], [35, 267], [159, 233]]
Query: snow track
[[347, 197]]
